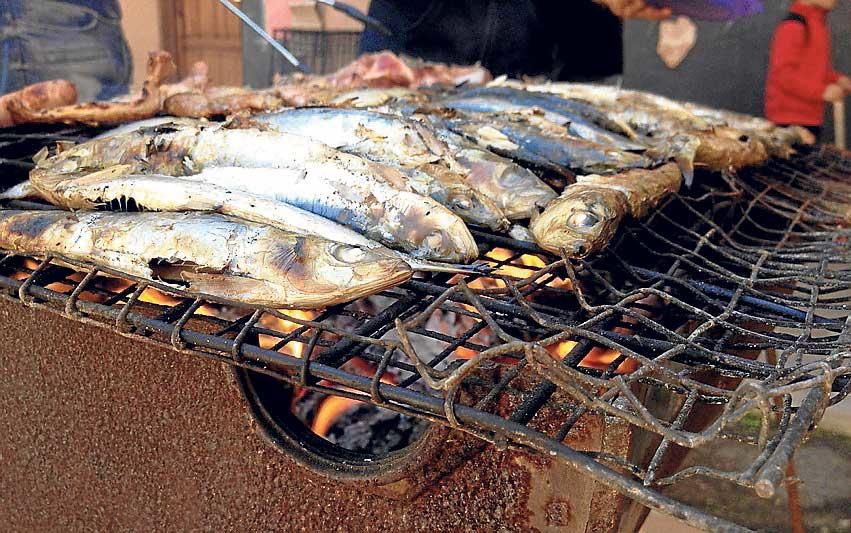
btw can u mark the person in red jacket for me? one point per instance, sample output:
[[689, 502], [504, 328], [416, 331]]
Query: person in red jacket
[[801, 77]]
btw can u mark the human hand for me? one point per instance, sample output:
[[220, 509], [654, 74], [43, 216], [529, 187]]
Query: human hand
[[833, 93], [635, 9], [845, 83]]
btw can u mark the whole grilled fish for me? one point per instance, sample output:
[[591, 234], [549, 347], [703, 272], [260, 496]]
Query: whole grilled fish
[[208, 255], [543, 144], [644, 189], [584, 218], [569, 108], [492, 100], [396, 142], [780, 141], [372, 199], [119, 189], [661, 119]]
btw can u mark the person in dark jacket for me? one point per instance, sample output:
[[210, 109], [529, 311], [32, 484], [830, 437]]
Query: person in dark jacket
[[78, 40], [801, 77], [577, 40]]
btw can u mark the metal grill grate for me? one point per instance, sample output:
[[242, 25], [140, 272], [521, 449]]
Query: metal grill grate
[[322, 51], [732, 299]]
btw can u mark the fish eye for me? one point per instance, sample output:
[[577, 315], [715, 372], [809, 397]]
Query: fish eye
[[435, 240], [583, 219], [510, 177], [462, 203], [348, 254]]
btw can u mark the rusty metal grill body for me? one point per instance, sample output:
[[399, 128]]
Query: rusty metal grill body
[[688, 298]]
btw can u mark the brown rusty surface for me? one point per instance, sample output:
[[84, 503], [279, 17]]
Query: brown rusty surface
[[101, 432]]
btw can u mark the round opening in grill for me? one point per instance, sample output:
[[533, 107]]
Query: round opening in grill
[[335, 436]]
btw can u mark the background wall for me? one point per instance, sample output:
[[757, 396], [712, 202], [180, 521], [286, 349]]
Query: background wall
[[141, 22], [727, 66]]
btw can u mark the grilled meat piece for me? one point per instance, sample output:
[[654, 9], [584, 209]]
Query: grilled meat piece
[[148, 104]]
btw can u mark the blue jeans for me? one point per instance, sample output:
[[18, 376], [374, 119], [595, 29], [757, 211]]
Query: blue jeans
[[77, 40]]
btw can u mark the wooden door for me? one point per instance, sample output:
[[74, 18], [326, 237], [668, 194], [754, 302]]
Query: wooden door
[[203, 30]]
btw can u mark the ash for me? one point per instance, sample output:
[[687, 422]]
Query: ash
[[375, 431]]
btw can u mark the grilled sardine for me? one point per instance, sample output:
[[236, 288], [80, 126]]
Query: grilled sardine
[[208, 255]]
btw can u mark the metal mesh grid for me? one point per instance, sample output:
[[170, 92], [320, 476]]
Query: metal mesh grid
[[322, 51], [732, 298]]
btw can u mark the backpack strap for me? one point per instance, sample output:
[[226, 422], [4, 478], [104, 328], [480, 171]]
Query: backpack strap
[[795, 17]]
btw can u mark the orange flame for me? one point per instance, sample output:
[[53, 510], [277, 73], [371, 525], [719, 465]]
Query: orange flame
[[280, 325], [514, 270], [598, 358], [333, 407]]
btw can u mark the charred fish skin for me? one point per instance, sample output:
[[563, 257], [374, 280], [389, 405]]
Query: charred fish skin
[[580, 222], [584, 219], [372, 199], [208, 255], [396, 142], [644, 189], [120, 189]]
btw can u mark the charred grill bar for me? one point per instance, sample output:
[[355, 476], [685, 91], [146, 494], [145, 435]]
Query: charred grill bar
[[680, 306]]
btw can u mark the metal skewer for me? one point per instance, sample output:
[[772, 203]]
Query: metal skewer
[[353, 12], [268, 38]]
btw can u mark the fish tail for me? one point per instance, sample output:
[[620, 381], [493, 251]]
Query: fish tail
[[20, 191]]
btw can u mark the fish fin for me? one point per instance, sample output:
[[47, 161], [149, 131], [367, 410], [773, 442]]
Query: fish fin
[[684, 154], [286, 256], [221, 286], [41, 155], [64, 146]]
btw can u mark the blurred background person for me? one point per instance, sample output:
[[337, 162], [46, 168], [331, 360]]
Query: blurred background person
[[576, 40], [77, 40], [801, 77]]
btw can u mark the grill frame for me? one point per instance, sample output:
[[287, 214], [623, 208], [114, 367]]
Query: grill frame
[[175, 328]]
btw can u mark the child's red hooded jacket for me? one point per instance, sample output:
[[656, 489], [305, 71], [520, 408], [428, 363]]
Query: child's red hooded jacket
[[800, 69]]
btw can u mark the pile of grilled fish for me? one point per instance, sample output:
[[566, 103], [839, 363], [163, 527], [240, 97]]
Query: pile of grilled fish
[[308, 207]]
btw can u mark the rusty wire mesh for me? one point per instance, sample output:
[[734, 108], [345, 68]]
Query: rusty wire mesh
[[731, 301]]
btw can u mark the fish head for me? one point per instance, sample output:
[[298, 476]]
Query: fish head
[[428, 230], [528, 192], [347, 270], [582, 221], [465, 201], [518, 191], [477, 209]]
